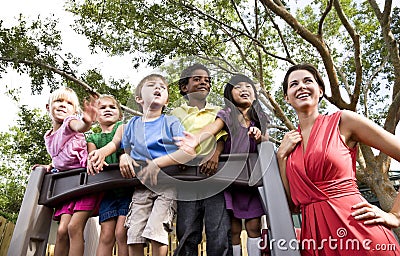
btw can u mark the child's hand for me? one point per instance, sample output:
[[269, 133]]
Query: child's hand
[[187, 143], [90, 110], [126, 164], [255, 133], [149, 172], [48, 167], [96, 161], [210, 167]]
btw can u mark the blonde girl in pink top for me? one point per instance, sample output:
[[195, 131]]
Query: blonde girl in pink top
[[66, 144]]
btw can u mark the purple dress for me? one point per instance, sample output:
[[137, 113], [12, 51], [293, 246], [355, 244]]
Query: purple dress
[[244, 202]]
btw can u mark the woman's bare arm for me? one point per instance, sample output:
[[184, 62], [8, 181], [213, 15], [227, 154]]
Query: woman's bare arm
[[356, 128]]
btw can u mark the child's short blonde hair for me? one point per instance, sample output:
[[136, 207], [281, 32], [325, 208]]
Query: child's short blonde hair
[[138, 90], [66, 93], [112, 98]]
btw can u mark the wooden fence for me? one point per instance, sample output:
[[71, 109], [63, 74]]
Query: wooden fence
[[171, 247], [6, 231], [7, 228]]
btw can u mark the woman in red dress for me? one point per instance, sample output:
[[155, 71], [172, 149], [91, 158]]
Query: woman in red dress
[[318, 164]]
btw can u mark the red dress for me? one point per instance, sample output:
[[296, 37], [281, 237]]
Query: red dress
[[322, 182]]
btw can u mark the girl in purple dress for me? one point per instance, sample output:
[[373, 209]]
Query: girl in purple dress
[[244, 120]]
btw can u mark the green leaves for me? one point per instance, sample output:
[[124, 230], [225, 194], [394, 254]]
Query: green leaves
[[21, 147], [155, 32], [31, 43]]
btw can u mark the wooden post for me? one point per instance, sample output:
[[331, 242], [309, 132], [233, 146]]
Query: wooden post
[[5, 243]]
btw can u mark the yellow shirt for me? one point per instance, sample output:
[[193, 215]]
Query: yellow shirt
[[194, 120]]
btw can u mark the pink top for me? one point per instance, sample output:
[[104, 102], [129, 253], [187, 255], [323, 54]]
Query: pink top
[[66, 147]]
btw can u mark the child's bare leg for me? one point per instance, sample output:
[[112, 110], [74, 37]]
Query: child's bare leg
[[136, 249], [121, 236], [75, 230], [62, 240], [253, 227], [236, 230], [107, 238], [159, 249]]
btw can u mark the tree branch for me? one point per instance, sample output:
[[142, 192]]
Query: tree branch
[[344, 79], [357, 53], [275, 25], [265, 101], [212, 60], [240, 17], [66, 75], [260, 70], [242, 54], [282, 128], [232, 70], [368, 85], [256, 20], [321, 47], [392, 119], [361, 160], [321, 21], [278, 110], [273, 140], [201, 14], [391, 45]]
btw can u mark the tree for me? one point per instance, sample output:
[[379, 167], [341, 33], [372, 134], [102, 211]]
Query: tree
[[17, 159], [234, 36], [34, 48]]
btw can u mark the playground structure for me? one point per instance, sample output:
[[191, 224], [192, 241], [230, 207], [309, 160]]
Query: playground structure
[[45, 190]]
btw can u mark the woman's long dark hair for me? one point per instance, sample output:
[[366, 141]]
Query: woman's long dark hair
[[305, 66], [255, 113]]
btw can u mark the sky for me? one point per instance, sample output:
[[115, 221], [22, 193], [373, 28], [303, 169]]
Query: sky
[[117, 67]]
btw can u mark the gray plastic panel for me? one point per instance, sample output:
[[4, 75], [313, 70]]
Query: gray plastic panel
[[33, 224], [62, 186], [279, 218], [47, 190]]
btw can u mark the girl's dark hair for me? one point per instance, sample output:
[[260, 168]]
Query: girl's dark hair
[[255, 113], [187, 73], [305, 66]]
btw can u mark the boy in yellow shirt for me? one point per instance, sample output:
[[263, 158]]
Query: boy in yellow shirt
[[195, 85]]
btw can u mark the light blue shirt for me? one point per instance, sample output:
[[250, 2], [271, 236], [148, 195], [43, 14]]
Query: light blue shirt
[[149, 140]]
